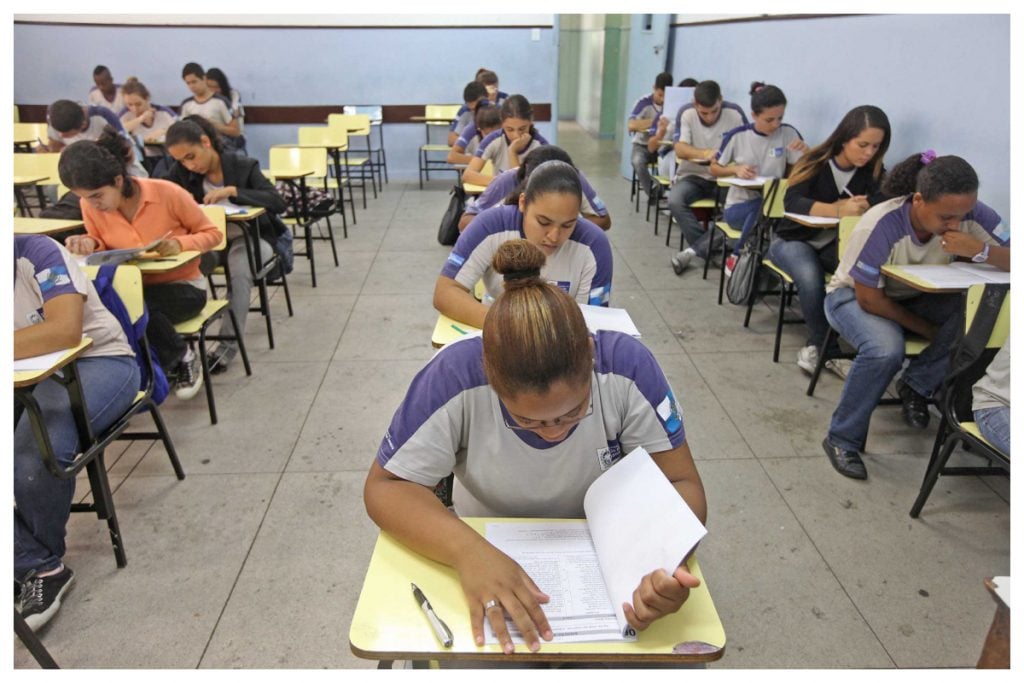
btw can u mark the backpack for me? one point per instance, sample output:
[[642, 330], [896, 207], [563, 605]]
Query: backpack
[[448, 232], [319, 202], [104, 284], [748, 277]]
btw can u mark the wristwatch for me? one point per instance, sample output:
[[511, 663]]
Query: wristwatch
[[981, 256]]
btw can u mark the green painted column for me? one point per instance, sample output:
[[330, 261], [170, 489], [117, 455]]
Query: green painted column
[[616, 54]]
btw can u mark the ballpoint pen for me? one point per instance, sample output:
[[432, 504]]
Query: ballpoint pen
[[441, 629]]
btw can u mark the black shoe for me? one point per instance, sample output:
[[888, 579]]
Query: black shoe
[[847, 463], [915, 406], [219, 360], [41, 596]]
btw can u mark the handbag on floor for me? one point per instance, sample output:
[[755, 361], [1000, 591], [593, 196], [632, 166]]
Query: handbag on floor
[[448, 232]]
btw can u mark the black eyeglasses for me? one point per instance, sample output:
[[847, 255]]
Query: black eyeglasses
[[525, 425]]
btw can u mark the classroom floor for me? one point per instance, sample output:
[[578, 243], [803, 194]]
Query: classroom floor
[[256, 559]]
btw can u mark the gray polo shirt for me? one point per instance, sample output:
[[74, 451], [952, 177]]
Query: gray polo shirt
[[769, 153]]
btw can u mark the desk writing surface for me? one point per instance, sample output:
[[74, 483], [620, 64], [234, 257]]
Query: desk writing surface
[[388, 623], [26, 378], [165, 263], [813, 221], [445, 331], [954, 279], [22, 180], [27, 225], [247, 214], [473, 189]]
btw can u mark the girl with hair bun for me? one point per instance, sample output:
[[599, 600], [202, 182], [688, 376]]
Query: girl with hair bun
[[526, 416], [934, 218], [547, 214]]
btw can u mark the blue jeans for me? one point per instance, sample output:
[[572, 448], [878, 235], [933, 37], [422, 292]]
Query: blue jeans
[[742, 217], [686, 191], [640, 157], [42, 501], [994, 425], [880, 354], [807, 267]]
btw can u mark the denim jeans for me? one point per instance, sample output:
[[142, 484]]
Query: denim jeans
[[640, 157], [742, 217], [994, 425], [807, 267], [686, 191], [880, 354], [42, 501]]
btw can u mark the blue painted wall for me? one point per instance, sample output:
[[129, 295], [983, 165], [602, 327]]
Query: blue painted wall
[[943, 80], [293, 66]]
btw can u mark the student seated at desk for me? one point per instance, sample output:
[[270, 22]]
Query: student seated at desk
[[213, 176], [217, 81], [490, 80], [486, 120], [71, 122], [509, 185], [106, 92], [211, 106], [54, 305], [121, 212], [579, 256], [934, 218], [473, 95], [506, 148], [645, 113], [764, 147], [991, 403], [840, 177], [518, 417], [145, 121]]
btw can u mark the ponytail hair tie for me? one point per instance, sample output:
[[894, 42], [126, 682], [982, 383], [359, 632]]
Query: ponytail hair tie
[[927, 157], [521, 274]]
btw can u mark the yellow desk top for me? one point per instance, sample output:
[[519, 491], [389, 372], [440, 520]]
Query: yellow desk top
[[471, 189], [447, 330], [250, 213], [920, 283], [26, 378], [388, 623], [165, 263], [26, 225], [21, 180]]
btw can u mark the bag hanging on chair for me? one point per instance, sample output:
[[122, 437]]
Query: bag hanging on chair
[[448, 232]]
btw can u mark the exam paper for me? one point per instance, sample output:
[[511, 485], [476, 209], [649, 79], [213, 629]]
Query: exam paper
[[42, 362], [756, 181], [601, 318]]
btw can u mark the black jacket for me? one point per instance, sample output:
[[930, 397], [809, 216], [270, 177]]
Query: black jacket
[[822, 188]]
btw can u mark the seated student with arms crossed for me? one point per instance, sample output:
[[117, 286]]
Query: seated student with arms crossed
[[579, 256], [145, 121], [764, 147], [505, 148], [473, 96], [106, 93], [213, 107], [839, 177], [217, 81], [511, 183], [934, 218], [518, 416], [54, 305], [122, 212], [213, 176], [486, 120]]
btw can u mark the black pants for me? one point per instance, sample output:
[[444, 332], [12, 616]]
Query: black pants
[[168, 304]]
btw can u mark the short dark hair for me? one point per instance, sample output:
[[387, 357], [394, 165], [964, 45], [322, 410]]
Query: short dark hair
[[99, 69], [765, 97], [87, 165], [474, 91], [688, 83], [487, 116], [66, 116], [663, 81], [191, 129], [707, 93], [931, 177], [487, 77], [193, 69]]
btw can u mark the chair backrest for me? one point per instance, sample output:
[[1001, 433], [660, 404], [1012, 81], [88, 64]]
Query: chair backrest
[[328, 136], [30, 131], [17, 114], [1001, 329], [216, 214], [374, 111], [288, 158], [127, 284], [42, 164], [441, 111], [774, 194], [846, 226], [354, 124]]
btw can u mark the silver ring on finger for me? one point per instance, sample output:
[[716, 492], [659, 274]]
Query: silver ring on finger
[[490, 604]]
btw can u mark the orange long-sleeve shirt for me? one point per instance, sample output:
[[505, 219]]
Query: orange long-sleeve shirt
[[163, 207]]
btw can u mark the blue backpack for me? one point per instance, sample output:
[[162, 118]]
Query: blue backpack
[[104, 284]]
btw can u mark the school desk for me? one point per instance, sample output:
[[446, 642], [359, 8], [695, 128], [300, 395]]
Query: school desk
[[996, 652], [923, 284], [165, 263], [813, 221], [388, 623], [26, 225], [20, 183], [447, 330]]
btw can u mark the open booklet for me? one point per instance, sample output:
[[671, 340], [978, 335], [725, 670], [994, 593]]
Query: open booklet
[[958, 274], [115, 256], [636, 523]]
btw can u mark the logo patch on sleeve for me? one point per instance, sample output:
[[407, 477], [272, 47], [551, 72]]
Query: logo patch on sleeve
[[49, 278], [1001, 232], [867, 268], [597, 203], [668, 411], [599, 296], [456, 260]]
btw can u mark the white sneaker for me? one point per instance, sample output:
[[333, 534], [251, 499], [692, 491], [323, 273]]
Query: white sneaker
[[840, 367], [681, 260], [190, 376], [807, 358]]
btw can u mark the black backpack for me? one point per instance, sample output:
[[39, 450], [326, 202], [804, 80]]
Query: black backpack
[[449, 230], [748, 277]]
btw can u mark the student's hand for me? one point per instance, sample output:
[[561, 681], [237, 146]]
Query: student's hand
[[961, 244], [746, 172], [171, 247], [157, 136], [214, 196], [709, 154], [521, 143], [854, 206], [147, 118], [657, 595], [81, 245], [490, 574], [799, 145], [662, 125]]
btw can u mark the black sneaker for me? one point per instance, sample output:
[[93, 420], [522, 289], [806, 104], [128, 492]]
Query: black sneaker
[[219, 360], [41, 596], [915, 406], [846, 463], [190, 376]]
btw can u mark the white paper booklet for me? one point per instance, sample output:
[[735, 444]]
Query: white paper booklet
[[636, 523], [102, 258], [958, 274], [601, 318], [824, 221], [756, 181], [42, 362]]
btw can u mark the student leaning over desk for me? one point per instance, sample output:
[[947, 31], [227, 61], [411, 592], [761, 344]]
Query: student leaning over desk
[[934, 218], [506, 148], [527, 417]]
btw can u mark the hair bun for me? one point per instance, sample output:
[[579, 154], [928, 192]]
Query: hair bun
[[520, 262], [755, 86]]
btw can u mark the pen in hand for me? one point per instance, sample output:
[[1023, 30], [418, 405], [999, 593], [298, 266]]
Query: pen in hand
[[441, 629]]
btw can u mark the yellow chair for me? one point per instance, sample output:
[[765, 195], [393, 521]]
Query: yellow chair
[[438, 116], [28, 135], [378, 154], [335, 141], [957, 425], [772, 210], [194, 329], [44, 166], [358, 126], [286, 162], [472, 189]]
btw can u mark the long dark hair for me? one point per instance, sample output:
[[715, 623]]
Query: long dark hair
[[215, 74], [856, 121], [532, 161], [191, 129], [88, 165]]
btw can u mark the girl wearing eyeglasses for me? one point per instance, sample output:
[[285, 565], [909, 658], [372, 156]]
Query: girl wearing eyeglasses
[[527, 417]]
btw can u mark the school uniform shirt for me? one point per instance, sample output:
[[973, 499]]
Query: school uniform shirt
[[163, 118], [97, 118], [645, 108], [237, 110], [97, 99], [43, 269], [769, 153], [452, 421], [689, 128], [163, 208], [830, 184], [216, 109], [993, 389], [581, 267], [495, 148], [505, 182], [884, 236], [463, 118]]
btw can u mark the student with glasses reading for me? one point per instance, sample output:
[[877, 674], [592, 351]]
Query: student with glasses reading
[[527, 417]]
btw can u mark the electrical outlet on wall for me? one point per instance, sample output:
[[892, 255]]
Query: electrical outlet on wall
[[535, 34]]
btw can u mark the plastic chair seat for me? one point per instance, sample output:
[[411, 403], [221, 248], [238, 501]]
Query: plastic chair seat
[[195, 324], [703, 204], [777, 270], [728, 230], [434, 148]]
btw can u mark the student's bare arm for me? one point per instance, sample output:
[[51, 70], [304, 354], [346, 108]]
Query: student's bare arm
[[457, 302]]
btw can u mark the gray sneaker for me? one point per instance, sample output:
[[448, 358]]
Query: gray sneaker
[[681, 260]]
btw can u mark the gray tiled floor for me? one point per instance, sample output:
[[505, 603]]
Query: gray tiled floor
[[255, 560]]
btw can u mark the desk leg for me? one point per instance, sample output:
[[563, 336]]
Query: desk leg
[[32, 642], [309, 228], [336, 160]]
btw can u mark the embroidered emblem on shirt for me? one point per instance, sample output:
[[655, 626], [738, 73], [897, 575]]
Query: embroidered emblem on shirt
[[869, 269], [776, 152], [668, 411], [606, 457], [599, 296], [1001, 233], [599, 205], [52, 277], [455, 259], [561, 284]]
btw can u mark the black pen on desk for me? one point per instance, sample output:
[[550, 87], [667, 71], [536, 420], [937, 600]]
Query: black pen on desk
[[441, 629]]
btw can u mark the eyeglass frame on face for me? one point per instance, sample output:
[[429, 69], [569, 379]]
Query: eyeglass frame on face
[[557, 422]]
